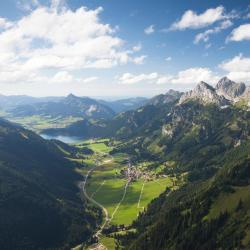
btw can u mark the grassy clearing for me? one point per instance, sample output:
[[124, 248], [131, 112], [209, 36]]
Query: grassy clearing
[[229, 201], [108, 242], [99, 146]]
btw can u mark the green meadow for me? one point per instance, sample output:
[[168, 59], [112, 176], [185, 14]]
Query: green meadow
[[107, 187]]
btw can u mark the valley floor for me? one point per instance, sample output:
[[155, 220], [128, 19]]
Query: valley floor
[[120, 195]]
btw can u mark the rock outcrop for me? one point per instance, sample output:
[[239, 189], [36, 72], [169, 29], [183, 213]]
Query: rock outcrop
[[229, 89], [205, 94]]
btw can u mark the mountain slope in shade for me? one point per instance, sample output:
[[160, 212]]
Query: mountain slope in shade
[[40, 206]]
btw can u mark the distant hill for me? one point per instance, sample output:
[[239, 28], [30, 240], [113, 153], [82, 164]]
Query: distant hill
[[124, 124], [123, 105], [8, 102], [69, 106], [40, 204]]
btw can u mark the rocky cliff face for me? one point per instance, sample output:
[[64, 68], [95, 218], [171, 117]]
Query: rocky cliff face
[[229, 89], [245, 97], [205, 94], [170, 96], [225, 92]]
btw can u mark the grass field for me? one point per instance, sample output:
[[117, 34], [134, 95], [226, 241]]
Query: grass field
[[38, 123], [108, 242], [98, 146], [106, 187]]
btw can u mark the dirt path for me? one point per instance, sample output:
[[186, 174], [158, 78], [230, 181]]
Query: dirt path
[[120, 202], [139, 200], [96, 191]]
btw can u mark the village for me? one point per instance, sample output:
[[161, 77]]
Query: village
[[134, 173]]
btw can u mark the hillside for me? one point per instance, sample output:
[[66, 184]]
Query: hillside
[[8, 102], [205, 215], [123, 105], [125, 124], [40, 204], [69, 106]]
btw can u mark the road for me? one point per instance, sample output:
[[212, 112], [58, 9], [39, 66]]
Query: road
[[106, 220]]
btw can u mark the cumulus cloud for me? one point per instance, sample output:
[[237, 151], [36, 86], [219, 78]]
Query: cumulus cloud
[[149, 30], [240, 33], [237, 68], [204, 36], [168, 59], [137, 48], [191, 20], [27, 5], [60, 39], [90, 79], [129, 78], [139, 59], [4, 24], [185, 78], [190, 77], [62, 76]]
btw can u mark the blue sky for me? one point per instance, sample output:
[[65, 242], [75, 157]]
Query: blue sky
[[121, 48]]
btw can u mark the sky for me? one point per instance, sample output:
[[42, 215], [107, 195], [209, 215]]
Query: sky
[[121, 48]]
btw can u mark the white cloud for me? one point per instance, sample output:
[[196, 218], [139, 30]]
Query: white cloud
[[90, 79], [189, 77], [184, 78], [27, 5], [192, 20], [168, 59], [62, 76], [238, 68], [204, 36], [137, 48], [66, 77], [129, 78], [4, 24], [149, 30], [59, 39], [139, 59], [240, 33]]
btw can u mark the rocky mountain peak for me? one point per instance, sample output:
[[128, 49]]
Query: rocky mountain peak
[[203, 93], [229, 89], [71, 96], [173, 92], [203, 86], [170, 96]]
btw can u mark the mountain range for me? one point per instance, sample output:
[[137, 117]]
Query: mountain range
[[157, 108], [201, 137]]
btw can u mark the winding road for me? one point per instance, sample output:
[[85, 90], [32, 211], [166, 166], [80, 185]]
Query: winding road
[[105, 211], [106, 220]]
